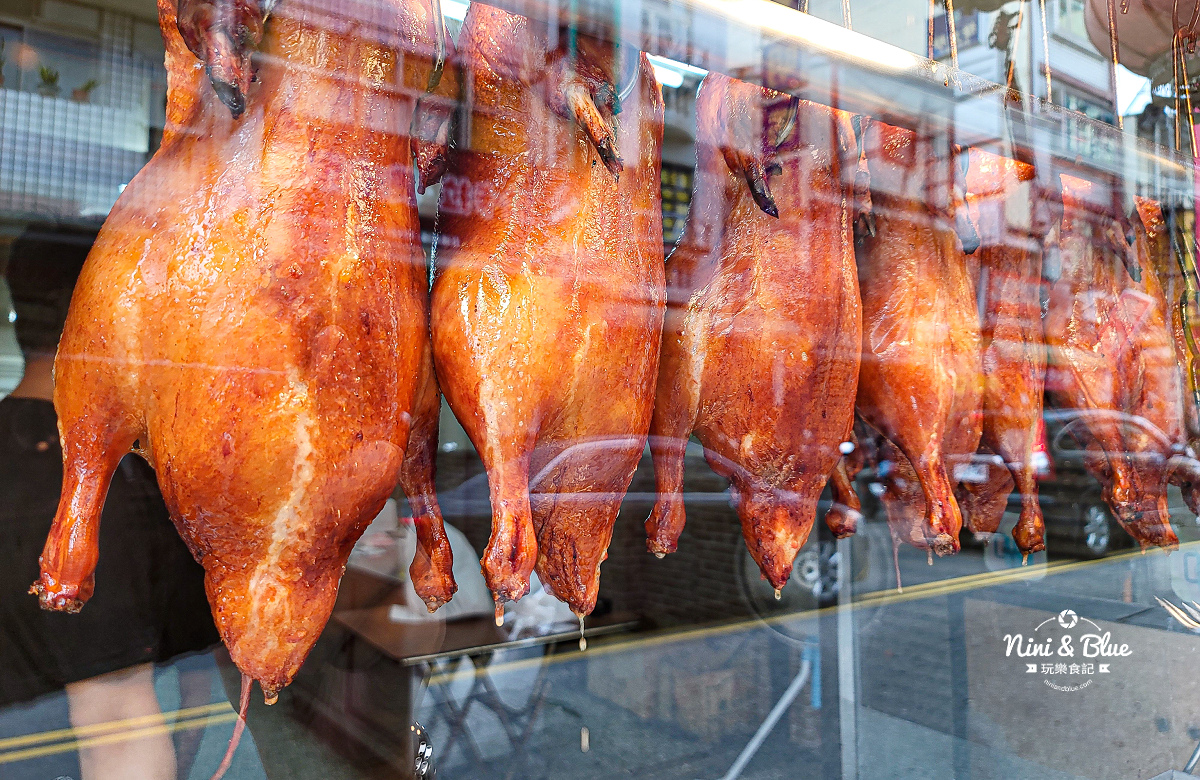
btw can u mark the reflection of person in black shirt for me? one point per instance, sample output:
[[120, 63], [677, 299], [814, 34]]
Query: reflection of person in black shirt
[[149, 603]]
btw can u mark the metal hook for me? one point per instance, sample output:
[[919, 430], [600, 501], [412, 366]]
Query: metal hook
[[790, 124], [439, 39], [1184, 618]]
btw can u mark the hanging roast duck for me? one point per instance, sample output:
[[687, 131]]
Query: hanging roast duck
[[920, 384], [1171, 262], [761, 342], [1114, 360], [1000, 195], [254, 316], [548, 296]]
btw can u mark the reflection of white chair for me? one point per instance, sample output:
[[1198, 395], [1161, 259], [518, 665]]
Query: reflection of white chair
[[12, 363], [537, 613], [435, 646], [538, 620]]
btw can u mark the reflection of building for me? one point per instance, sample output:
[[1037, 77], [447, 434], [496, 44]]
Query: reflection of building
[[81, 105], [1080, 74], [991, 46], [82, 99]]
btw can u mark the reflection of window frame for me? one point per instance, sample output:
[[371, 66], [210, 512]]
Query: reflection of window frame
[[676, 187], [1091, 106], [1077, 137], [47, 42], [1063, 10], [968, 30], [14, 36]]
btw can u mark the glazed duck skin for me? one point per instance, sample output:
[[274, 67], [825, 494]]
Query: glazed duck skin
[[254, 315], [920, 385], [762, 369], [1112, 348], [548, 296], [1168, 288], [1000, 198]]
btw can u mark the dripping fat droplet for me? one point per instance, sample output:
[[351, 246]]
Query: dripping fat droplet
[[582, 638], [778, 594], [499, 614], [929, 557]]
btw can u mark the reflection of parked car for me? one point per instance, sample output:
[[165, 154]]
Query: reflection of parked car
[[1078, 521], [1077, 518], [472, 498], [814, 574]]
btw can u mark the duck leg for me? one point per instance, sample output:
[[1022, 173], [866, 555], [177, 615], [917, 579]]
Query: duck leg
[[432, 569], [92, 448]]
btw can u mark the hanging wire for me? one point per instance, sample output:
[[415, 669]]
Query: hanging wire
[[1046, 51], [953, 33], [846, 14], [1189, 298], [1187, 93], [1016, 41], [932, 12], [1175, 55], [1183, 41], [803, 6], [1114, 45]]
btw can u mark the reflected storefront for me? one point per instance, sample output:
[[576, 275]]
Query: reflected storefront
[[525, 389]]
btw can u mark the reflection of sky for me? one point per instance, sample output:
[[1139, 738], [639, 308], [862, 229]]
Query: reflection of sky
[[1133, 92]]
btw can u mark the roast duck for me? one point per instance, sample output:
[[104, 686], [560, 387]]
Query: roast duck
[[1000, 197], [921, 385], [760, 350], [1171, 260], [253, 318], [548, 294], [1114, 358]]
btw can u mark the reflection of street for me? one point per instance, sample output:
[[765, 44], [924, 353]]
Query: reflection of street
[[682, 701], [934, 695], [935, 699]]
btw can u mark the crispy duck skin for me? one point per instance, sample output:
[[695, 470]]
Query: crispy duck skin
[[1111, 347], [763, 370], [920, 385], [548, 296], [254, 314], [1001, 203], [1168, 289]]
